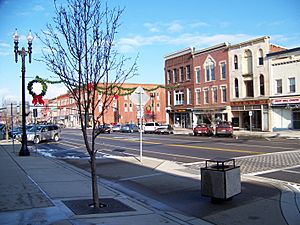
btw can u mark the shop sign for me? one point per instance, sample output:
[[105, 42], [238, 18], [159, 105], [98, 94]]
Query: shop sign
[[251, 102], [281, 101]]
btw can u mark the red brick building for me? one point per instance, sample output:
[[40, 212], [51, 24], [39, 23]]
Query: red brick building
[[121, 110], [202, 85], [211, 84]]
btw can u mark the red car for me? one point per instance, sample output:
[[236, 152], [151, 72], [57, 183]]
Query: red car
[[224, 128], [203, 129]]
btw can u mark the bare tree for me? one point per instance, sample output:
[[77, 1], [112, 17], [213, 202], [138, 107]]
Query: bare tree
[[81, 51]]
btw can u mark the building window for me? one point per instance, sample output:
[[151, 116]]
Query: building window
[[292, 85], [179, 97], [198, 97], [130, 107], [189, 96], [260, 57], [157, 107], [206, 99], [235, 61], [236, 88], [210, 70], [247, 64], [249, 88], [198, 75], [278, 86], [125, 107], [168, 77], [174, 76], [224, 94], [215, 94], [181, 74], [223, 70], [169, 98], [188, 72], [262, 85]]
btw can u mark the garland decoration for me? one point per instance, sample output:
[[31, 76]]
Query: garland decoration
[[38, 98], [122, 91]]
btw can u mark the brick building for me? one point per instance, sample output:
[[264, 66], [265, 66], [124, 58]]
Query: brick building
[[121, 110]]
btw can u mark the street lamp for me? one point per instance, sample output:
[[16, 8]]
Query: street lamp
[[152, 96], [24, 150]]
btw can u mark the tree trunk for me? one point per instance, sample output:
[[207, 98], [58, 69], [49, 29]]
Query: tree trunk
[[94, 182]]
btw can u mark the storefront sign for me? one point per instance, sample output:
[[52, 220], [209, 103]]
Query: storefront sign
[[251, 102], [281, 101]]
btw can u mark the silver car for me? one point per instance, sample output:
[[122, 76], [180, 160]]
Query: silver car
[[43, 133]]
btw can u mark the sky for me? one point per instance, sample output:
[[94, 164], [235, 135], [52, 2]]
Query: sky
[[149, 29]]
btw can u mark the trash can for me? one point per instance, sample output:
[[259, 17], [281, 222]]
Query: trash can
[[220, 179]]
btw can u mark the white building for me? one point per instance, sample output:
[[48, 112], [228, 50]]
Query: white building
[[285, 89], [249, 83]]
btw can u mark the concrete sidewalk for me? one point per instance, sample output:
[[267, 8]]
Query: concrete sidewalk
[[34, 188]]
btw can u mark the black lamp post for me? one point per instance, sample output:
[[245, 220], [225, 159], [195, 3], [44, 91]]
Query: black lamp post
[[152, 96], [24, 150]]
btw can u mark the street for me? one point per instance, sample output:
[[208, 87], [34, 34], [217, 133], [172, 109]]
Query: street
[[179, 189]]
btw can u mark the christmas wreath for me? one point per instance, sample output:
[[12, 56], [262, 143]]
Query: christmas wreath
[[37, 98], [148, 108]]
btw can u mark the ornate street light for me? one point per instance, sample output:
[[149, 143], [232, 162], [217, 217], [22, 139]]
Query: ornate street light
[[24, 150]]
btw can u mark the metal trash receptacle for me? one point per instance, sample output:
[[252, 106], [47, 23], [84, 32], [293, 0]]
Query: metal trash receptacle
[[220, 178]]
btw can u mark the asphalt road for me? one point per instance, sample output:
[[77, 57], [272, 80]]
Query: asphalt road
[[273, 158], [181, 148]]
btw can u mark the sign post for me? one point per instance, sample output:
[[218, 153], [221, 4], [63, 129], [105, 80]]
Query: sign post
[[250, 114], [140, 98]]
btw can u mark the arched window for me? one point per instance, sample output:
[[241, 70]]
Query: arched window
[[260, 57], [247, 66], [236, 62], [236, 87], [262, 84], [210, 70]]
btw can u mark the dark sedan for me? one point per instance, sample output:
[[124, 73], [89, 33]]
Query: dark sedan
[[129, 128]]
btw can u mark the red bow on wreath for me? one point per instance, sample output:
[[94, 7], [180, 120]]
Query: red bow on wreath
[[38, 99]]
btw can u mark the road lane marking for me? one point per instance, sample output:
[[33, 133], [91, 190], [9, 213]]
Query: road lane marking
[[191, 146], [215, 149], [140, 177]]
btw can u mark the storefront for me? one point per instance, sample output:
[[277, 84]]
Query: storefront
[[253, 113], [210, 116], [181, 118], [285, 113]]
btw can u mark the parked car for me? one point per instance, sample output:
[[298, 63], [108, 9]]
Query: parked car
[[150, 127], [164, 129], [116, 128], [61, 125], [42, 133], [224, 128], [2, 131], [129, 128], [106, 128], [203, 129]]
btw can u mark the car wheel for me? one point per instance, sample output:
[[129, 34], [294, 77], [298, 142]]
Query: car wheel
[[56, 138], [37, 140]]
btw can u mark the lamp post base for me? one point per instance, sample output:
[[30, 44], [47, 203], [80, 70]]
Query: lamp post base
[[24, 151]]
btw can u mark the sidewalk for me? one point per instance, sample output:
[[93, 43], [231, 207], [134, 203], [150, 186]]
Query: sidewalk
[[34, 190], [290, 134]]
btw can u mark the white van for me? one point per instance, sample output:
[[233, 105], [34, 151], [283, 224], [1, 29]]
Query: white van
[[150, 127]]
